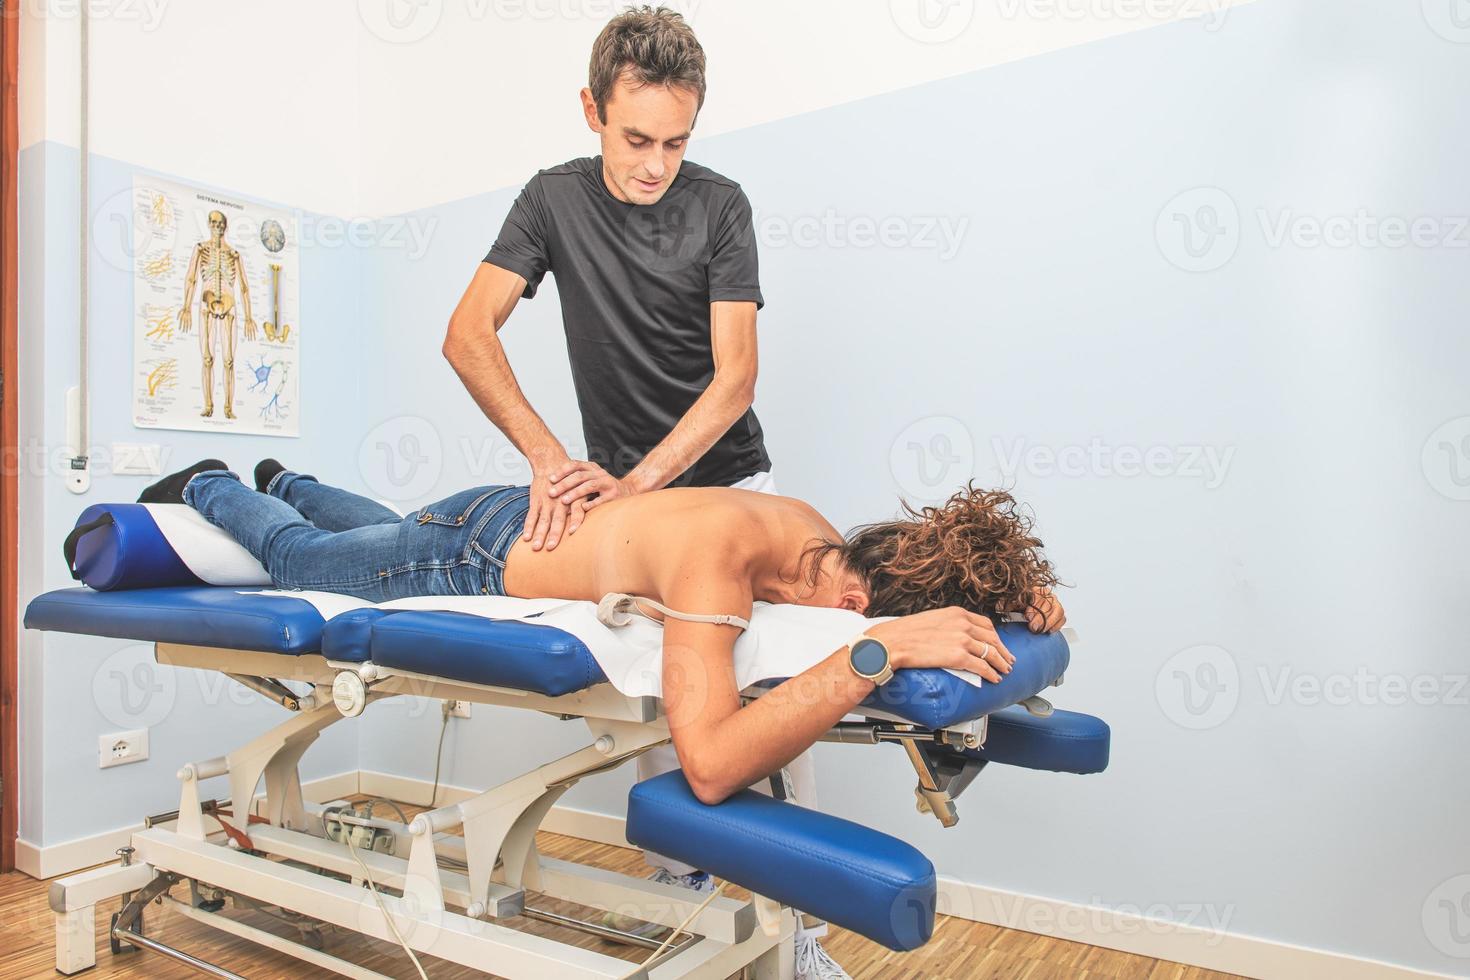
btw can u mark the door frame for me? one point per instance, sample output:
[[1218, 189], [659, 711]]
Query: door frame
[[9, 435]]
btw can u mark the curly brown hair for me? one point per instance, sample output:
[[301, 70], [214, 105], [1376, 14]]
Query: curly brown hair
[[976, 550]]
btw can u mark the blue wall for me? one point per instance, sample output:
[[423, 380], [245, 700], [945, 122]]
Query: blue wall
[[1240, 504], [79, 687]]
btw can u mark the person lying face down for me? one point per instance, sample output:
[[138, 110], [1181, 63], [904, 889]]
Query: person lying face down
[[943, 571]]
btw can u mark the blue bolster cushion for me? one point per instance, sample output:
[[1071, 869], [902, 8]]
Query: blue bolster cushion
[[119, 546], [150, 546], [848, 874]]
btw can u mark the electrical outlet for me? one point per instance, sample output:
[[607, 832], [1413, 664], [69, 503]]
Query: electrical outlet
[[121, 748], [458, 709]]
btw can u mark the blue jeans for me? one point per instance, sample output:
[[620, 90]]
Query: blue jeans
[[312, 536]]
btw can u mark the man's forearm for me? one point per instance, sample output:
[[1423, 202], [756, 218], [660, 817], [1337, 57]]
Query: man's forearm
[[709, 418], [482, 366]]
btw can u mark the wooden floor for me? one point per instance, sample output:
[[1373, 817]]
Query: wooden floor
[[960, 950]]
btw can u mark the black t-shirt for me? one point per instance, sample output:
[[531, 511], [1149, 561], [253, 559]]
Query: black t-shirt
[[635, 283]]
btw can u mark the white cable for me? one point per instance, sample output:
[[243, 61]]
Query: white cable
[[438, 761], [387, 916], [677, 932]]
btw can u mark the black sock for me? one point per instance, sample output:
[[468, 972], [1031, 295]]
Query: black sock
[[265, 472], [170, 490]]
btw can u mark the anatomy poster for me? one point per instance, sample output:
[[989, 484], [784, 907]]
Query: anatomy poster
[[216, 294]]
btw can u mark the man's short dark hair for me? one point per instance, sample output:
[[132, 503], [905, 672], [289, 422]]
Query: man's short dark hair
[[651, 46]]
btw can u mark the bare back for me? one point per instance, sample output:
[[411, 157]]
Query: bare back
[[652, 543]]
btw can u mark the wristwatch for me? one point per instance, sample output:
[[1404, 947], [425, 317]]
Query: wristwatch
[[869, 659]]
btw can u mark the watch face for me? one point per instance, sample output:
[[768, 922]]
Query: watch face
[[869, 657]]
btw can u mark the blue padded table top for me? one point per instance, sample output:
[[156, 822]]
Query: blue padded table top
[[547, 660], [200, 615], [458, 646]]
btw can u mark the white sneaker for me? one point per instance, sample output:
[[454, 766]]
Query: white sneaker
[[812, 961], [698, 882]]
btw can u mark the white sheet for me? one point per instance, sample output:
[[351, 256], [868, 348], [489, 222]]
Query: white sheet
[[209, 552], [783, 640]]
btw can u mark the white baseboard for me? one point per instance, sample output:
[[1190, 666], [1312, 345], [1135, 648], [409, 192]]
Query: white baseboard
[[1129, 932], [87, 852], [1214, 949]]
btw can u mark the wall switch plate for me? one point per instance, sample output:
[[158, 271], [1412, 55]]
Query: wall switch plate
[[79, 469], [121, 748], [137, 459]]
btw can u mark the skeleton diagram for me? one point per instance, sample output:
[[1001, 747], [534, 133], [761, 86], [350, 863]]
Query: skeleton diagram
[[222, 269]]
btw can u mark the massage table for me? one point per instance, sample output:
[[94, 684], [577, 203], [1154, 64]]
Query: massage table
[[449, 880]]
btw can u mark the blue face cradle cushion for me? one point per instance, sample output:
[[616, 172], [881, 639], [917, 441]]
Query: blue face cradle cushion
[[841, 871]]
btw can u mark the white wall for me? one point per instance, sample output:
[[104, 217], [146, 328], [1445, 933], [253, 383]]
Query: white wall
[[464, 95]]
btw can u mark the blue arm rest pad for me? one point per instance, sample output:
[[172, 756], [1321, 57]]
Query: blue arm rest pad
[[937, 698], [1065, 741], [845, 873], [498, 653], [201, 615]]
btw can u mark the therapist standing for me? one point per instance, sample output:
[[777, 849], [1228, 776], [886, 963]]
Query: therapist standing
[[655, 265]]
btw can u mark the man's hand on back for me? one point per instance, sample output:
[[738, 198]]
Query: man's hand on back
[[581, 485], [549, 517]]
